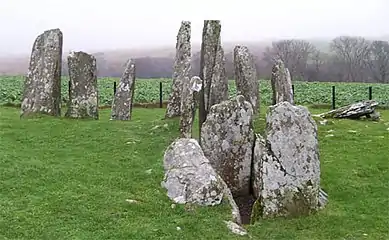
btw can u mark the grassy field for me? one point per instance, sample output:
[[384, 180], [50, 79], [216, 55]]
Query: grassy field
[[147, 91], [69, 179]]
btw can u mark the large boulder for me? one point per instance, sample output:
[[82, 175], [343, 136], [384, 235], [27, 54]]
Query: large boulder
[[189, 177], [286, 165], [42, 87], [227, 139]]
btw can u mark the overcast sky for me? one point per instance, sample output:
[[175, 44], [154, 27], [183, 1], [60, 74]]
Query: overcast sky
[[101, 24]]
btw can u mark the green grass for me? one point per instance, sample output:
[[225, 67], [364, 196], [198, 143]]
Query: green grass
[[69, 179], [147, 91]]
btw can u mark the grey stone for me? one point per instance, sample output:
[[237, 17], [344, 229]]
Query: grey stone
[[182, 68], [188, 105], [42, 87], [227, 139], [83, 95], [209, 60], [219, 83], [235, 228], [123, 99], [354, 111], [281, 83], [189, 177], [286, 165], [245, 73]]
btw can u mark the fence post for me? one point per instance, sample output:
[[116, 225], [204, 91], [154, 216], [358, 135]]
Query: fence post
[[69, 88], [293, 91], [114, 88], [370, 93], [333, 97], [160, 94]]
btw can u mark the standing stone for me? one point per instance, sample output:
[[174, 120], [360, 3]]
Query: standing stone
[[189, 178], [286, 165], [188, 105], [227, 139], [219, 83], [122, 102], [42, 87], [246, 80], [281, 83], [83, 95], [209, 59], [182, 69]]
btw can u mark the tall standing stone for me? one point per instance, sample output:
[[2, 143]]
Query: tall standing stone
[[246, 80], [281, 83], [42, 87], [227, 138], [219, 84], [188, 105], [210, 47], [182, 69], [123, 100], [83, 95], [286, 165]]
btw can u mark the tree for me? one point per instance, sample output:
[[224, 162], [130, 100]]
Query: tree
[[379, 64], [294, 53], [352, 55]]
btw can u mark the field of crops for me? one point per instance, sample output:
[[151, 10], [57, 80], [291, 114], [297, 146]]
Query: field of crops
[[147, 91]]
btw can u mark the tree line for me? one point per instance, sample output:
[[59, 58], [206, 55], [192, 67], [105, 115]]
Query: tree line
[[347, 59]]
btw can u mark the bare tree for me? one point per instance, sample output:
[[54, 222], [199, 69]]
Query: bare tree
[[353, 56], [294, 53], [379, 63]]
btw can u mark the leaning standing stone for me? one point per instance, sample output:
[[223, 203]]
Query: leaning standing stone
[[281, 83], [182, 69], [42, 87], [83, 95], [286, 165], [188, 105], [122, 102], [246, 80], [227, 139]]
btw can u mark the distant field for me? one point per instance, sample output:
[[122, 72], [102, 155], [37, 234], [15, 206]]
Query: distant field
[[147, 91]]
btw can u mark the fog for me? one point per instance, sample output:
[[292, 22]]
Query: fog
[[114, 24]]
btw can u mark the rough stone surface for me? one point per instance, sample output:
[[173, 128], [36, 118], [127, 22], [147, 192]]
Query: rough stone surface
[[281, 83], [182, 68], [189, 177], [219, 84], [209, 62], [83, 95], [122, 102], [354, 111], [42, 87], [188, 105], [286, 165], [245, 73], [227, 139]]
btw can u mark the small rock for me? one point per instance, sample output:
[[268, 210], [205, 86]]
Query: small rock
[[173, 206], [131, 201], [323, 122], [235, 228], [178, 228], [165, 125]]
